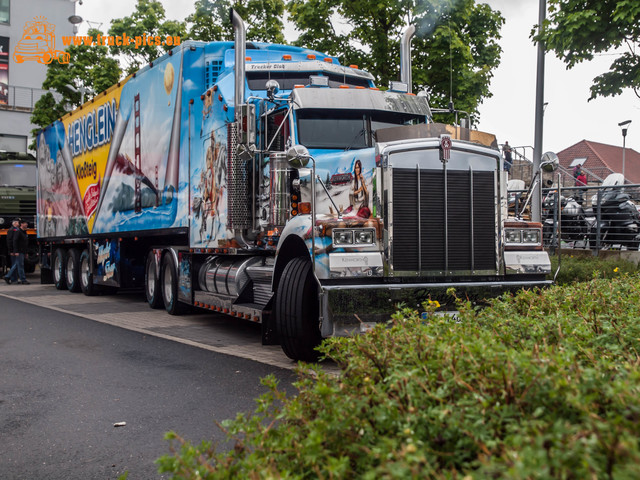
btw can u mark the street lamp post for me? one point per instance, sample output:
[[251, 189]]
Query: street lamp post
[[81, 91], [625, 126], [536, 202]]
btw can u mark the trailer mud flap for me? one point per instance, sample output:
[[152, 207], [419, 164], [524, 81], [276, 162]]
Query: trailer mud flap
[[107, 255], [185, 290]]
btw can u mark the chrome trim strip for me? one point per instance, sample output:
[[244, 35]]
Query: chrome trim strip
[[473, 258], [446, 219], [402, 286]]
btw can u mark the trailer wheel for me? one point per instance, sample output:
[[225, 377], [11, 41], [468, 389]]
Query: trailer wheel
[[152, 288], [73, 270], [86, 277], [297, 311], [59, 269], [169, 286]]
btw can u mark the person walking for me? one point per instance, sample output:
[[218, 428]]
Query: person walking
[[508, 159], [12, 274], [20, 248], [581, 181]]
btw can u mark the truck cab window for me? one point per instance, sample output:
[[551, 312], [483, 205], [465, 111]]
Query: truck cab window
[[18, 175], [276, 128], [346, 129], [342, 129], [381, 120]]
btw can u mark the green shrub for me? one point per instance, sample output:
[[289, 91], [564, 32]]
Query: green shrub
[[543, 384], [582, 268]]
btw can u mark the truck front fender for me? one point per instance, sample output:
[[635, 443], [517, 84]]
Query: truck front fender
[[295, 241]]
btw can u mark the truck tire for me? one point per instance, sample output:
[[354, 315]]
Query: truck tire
[[297, 311], [73, 270], [152, 288], [59, 272], [169, 286], [86, 277]]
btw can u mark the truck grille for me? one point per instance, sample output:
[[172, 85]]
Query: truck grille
[[27, 207], [438, 230]]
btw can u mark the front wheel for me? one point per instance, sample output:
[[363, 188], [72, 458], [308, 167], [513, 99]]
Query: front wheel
[[297, 311]]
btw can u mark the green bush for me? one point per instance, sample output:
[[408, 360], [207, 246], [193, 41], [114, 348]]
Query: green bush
[[582, 268], [543, 384]]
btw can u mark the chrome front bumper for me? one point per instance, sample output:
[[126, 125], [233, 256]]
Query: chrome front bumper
[[349, 309]]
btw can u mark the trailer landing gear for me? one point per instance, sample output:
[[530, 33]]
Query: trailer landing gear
[[297, 311]]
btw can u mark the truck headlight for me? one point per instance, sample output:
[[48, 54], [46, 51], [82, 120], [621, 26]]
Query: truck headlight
[[511, 235], [343, 237], [364, 237], [531, 235]]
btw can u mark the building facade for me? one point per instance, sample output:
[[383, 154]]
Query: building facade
[[30, 35], [600, 160]]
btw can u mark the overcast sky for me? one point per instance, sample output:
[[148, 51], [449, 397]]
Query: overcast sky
[[510, 113]]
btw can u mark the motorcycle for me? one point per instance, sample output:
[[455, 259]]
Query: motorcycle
[[619, 221], [574, 224]]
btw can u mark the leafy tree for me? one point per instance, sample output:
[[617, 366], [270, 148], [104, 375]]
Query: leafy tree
[[576, 30], [454, 53], [264, 21], [89, 68], [148, 21]]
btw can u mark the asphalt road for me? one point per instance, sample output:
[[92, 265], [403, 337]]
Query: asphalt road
[[66, 380]]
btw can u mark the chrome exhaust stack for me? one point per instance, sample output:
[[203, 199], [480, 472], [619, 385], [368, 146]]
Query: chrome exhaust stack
[[405, 56], [240, 40]]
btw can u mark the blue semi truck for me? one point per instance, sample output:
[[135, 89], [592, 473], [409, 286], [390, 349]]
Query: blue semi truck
[[270, 183]]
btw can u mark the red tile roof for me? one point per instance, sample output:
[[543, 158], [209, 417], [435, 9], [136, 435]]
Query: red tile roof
[[603, 159]]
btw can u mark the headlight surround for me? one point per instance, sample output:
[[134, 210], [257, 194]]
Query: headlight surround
[[354, 237], [525, 237]]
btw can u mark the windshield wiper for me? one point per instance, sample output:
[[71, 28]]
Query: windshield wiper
[[358, 135]]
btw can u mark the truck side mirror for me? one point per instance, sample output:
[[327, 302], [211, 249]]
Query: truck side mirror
[[273, 88], [549, 162], [298, 156]]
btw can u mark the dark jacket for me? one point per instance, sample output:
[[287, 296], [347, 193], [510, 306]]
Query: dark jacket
[[20, 241], [10, 235]]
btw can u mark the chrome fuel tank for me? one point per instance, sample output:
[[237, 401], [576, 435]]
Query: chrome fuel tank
[[225, 275]]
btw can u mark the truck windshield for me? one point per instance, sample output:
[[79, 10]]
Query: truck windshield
[[18, 175], [346, 129]]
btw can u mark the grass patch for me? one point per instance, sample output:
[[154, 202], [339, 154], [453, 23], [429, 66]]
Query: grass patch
[[582, 268]]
